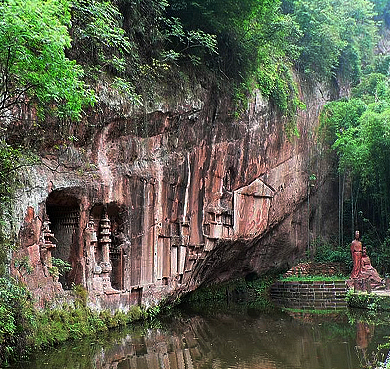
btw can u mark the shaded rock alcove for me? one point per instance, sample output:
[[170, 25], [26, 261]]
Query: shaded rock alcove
[[63, 212]]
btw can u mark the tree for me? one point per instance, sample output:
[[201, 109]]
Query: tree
[[98, 39], [358, 129], [255, 41], [33, 65], [334, 32]]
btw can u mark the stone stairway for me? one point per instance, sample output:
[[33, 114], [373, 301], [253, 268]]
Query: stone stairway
[[318, 295]]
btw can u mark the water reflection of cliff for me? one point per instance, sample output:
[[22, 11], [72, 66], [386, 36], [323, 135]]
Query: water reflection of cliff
[[237, 341]]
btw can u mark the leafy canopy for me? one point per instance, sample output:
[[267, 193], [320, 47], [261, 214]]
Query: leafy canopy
[[33, 39], [337, 35], [358, 130], [255, 44]]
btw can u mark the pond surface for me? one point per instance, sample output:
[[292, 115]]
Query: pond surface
[[244, 338]]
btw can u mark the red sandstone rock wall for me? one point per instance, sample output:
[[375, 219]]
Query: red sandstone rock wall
[[192, 196]]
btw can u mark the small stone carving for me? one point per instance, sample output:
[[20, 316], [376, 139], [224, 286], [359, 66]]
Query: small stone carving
[[90, 242], [105, 243], [46, 245]]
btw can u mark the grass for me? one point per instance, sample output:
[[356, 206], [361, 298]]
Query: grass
[[313, 278], [370, 301], [315, 311], [53, 326], [23, 328]]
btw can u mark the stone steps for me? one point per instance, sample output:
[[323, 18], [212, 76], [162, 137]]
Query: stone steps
[[314, 295]]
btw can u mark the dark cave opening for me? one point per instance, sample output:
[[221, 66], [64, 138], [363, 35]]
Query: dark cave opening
[[63, 212]]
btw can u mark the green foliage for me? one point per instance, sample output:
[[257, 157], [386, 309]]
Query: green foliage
[[23, 328], [188, 45], [337, 36], [16, 319], [312, 278], [238, 295], [253, 43], [371, 88], [153, 312], [378, 250], [260, 286], [256, 44], [33, 38], [79, 291], [364, 148], [382, 8], [12, 161], [368, 301], [133, 44], [327, 252], [23, 265], [358, 129], [252, 289], [136, 313], [55, 325], [98, 38], [59, 267]]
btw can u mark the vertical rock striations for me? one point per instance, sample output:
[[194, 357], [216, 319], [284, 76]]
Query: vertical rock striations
[[179, 196]]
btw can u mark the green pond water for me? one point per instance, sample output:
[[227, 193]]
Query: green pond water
[[229, 337]]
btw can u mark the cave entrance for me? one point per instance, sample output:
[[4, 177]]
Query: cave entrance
[[63, 211]]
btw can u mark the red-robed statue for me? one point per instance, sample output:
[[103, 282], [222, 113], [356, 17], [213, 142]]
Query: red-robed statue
[[369, 273], [356, 251], [363, 271]]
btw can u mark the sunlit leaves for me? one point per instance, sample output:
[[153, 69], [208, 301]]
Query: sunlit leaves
[[333, 29], [33, 38], [359, 131], [338, 116], [12, 160], [98, 36]]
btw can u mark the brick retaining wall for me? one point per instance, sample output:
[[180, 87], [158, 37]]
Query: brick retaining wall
[[310, 294]]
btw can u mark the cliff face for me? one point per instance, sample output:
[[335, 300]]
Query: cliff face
[[173, 197]]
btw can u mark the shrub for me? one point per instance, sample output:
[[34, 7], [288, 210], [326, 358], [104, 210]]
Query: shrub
[[326, 252], [16, 319]]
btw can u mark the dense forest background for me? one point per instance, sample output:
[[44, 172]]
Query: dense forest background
[[56, 54]]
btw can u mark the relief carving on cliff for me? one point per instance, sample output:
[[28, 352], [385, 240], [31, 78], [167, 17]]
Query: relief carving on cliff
[[243, 214], [32, 262], [46, 245], [98, 263], [149, 229], [251, 207], [35, 239], [97, 259], [137, 248]]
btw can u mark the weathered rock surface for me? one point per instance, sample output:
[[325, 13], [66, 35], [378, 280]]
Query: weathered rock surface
[[178, 196]]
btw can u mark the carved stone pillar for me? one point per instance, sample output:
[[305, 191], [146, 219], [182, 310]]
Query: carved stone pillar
[[105, 242], [46, 245], [90, 239]]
